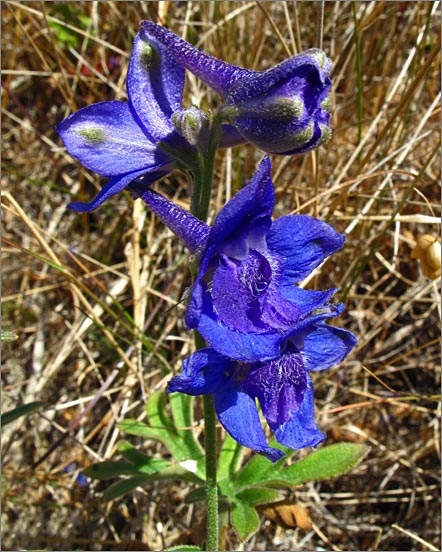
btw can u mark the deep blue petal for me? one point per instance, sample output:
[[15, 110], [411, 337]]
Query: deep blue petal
[[279, 110], [309, 69], [204, 372], [325, 346], [303, 243], [239, 416], [218, 74], [231, 343], [279, 386], [154, 85], [237, 290], [230, 137], [254, 201], [301, 430], [305, 323], [278, 312], [105, 138], [188, 228], [307, 300], [116, 185]]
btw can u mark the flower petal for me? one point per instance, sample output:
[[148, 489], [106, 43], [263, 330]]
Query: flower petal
[[155, 83], [183, 224], [307, 70], [116, 185], [239, 416], [230, 137], [105, 138], [251, 203], [234, 344], [218, 74], [329, 310], [237, 286], [204, 372], [303, 243], [279, 386], [307, 300], [326, 346], [301, 430]]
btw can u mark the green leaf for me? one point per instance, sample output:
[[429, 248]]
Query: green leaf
[[324, 463], [138, 458], [183, 548], [258, 469], [245, 520], [258, 495], [140, 429], [182, 412], [171, 472], [230, 458], [127, 485], [108, 470], [176, 435], [197, 495], [22, 410]]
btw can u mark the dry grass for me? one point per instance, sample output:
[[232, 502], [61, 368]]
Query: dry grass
[[88, 297]]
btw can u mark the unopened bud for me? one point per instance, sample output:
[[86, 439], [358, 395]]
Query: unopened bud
[[193, 124]]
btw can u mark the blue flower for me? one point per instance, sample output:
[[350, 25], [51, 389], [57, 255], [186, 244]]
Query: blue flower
[[283, 110], [282, 386], [127, 141], [244, 301]]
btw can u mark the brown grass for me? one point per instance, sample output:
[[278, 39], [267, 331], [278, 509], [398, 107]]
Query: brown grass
[[87, 298]]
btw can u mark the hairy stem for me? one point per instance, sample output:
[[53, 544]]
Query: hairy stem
[[200, 207]]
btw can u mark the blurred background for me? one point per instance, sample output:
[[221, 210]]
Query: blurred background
[[92, 319]]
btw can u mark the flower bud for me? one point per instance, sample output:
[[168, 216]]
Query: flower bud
[[193, 124], [286, 109], [428, 251]]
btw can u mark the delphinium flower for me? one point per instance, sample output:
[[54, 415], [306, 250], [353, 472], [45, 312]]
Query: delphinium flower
[[283, 110], [265, 333], [282, 386], [122, 140], [140, 141], [243, 300]]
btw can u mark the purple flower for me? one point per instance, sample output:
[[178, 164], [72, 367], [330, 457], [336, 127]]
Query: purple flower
[[282, 386], [243, 301], [128, 141], [284, 110]]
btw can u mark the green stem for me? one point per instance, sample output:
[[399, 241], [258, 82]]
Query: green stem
[[203, 177], [211, 466]]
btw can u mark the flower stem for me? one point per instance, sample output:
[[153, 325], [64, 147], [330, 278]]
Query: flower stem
[[210, 446], [200, 207], [211, 483], [204, 174]]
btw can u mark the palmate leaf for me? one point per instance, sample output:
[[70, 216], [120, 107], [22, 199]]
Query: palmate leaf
[[260, 469], [325, 463], [109, 470]]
